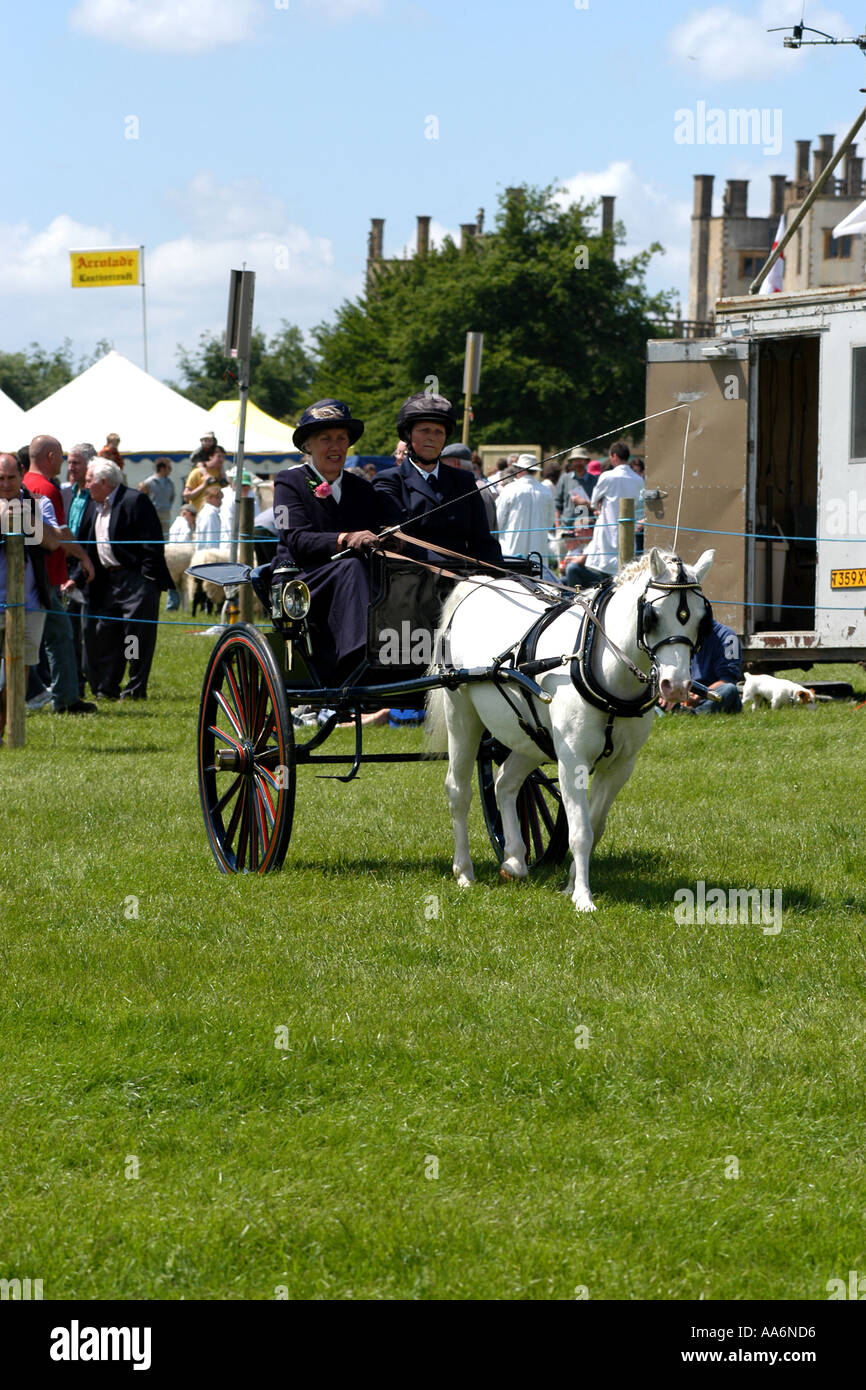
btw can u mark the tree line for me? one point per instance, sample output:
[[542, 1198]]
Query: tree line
[[565, 327]]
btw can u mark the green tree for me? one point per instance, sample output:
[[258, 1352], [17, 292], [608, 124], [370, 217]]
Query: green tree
[[30, 375], [565, 329], [281, 371]]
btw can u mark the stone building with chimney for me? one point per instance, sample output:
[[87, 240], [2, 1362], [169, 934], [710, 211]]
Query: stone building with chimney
[[728, 251], [376, 261]]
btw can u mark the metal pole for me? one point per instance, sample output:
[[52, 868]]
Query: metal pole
[[244, 386], [143, 307], [626, 531], [470, 376], [814, 192], [16, 671]]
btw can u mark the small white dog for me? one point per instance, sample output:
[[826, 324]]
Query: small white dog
[[772, 690]]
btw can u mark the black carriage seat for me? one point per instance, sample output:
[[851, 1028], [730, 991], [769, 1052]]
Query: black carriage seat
[[403, 635], [406, 600]]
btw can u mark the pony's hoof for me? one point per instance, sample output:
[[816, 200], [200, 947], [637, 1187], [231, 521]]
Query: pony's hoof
[[584, 905], [508, 876], [464, 881]]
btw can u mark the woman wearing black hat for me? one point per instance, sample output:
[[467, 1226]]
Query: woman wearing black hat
[[319, 511], [422, 484]]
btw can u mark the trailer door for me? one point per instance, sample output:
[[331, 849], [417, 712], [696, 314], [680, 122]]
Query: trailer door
[[710, 376]]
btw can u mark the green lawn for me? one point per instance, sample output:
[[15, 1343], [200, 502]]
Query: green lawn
[[429, 1028]]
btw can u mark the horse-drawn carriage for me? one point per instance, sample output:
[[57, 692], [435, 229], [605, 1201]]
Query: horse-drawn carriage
[[564, 679], [250, 744]]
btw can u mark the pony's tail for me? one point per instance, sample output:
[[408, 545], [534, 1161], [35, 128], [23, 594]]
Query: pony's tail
[[435, 728]]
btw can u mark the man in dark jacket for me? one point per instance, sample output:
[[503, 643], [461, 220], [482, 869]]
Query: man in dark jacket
[[121, 532], [415, 492], [320, 512]]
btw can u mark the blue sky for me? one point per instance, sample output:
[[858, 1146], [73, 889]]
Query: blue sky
[[273, 130]]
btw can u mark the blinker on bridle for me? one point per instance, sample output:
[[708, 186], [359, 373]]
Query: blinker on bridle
[[647, 616]]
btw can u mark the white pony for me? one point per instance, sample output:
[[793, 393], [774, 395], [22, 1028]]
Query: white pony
[[654, 614]]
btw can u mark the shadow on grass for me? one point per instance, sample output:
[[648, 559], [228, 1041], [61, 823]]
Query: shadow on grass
[[125, 750], [642, 875]]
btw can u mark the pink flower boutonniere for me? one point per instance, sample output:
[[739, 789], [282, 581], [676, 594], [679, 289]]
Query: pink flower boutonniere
[[323, 490]]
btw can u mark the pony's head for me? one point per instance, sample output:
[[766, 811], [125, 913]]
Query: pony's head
[[673, 617]]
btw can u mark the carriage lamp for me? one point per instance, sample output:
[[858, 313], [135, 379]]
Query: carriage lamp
[[296, 600]]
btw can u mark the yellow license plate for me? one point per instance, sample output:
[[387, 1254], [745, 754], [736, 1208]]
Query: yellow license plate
[[848, 579]]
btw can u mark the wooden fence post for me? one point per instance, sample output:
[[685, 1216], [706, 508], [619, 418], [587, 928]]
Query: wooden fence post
[[626, 531]]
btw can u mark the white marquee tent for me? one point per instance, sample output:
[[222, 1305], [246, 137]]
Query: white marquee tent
[[116, 396], [13, 430]]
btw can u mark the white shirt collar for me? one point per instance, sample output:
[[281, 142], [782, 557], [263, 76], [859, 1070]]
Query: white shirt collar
[[427, 472]]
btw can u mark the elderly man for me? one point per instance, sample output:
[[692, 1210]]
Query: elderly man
[[36, 589], [46, 457], [208, 524], [121, 530], [525, 511], [75, 496]]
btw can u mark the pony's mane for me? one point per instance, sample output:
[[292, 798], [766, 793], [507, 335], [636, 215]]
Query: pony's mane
[[636, 568]]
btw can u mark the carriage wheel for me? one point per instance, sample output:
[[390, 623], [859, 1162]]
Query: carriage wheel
[[543, 822], [246, 755]]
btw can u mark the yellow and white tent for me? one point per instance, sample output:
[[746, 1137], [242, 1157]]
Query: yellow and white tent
[[263, 434]]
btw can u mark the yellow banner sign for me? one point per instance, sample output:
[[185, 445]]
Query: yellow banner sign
[[95, 269]]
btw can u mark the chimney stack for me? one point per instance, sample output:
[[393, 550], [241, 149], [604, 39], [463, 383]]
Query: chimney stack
[[855, 177], [607, 204], [777, 194], [803, 148], [822, 155], [737, 198], [377, 236], [423, 243], [703, 204], [479, 222], [467, 234]]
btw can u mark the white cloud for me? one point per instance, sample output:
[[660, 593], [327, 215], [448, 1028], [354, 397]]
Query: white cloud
[[723, 44], [649, 214], [187, 277], [167, 26]]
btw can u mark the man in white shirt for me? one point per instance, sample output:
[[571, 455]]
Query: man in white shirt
[[602, 553], [525, 511]]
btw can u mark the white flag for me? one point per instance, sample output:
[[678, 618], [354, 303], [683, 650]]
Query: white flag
[[853, 224], [772, 284]]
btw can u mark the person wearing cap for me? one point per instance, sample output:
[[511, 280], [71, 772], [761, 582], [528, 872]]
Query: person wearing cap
[[320, 512], [426, 498], [463, 457], [525, 511]]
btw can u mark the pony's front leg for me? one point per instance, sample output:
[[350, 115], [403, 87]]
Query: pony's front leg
[[608, 780], [509, 779], [572, 787], [464, 735]]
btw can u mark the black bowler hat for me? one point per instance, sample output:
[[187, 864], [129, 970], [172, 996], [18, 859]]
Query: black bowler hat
[[327, 415]]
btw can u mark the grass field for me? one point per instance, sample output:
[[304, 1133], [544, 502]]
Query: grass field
[[156, 1143]]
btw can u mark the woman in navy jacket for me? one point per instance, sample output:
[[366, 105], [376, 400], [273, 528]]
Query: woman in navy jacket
[[321, 511]]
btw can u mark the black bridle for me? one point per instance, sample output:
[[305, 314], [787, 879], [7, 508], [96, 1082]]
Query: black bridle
[[647, 617]]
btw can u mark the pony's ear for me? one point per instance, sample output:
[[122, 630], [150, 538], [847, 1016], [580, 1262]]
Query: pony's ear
[[703, 565], [658, 568]]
